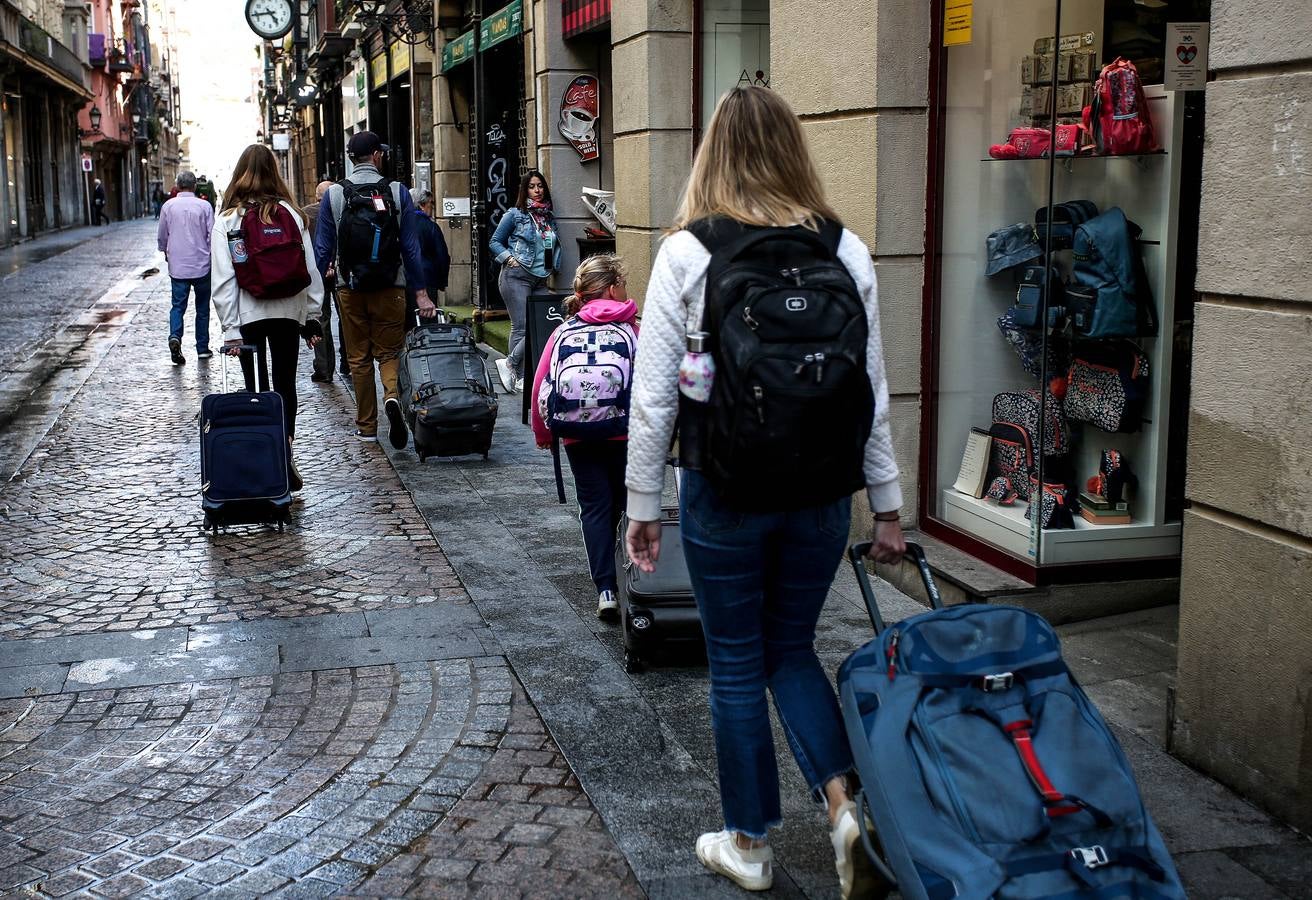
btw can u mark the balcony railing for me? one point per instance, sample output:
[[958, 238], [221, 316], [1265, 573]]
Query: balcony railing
[[37, 42]]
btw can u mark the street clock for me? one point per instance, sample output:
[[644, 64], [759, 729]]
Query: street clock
[[270, 19]]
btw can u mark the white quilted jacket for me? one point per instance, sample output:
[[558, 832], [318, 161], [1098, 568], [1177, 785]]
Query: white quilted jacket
[[673, 308]]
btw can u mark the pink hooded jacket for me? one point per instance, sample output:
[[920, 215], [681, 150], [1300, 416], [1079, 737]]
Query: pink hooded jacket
[[595, 312]]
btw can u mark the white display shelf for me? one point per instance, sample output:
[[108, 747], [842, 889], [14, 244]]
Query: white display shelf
[[1007, 528]]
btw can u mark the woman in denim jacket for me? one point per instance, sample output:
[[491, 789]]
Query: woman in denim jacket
[[528, 249]]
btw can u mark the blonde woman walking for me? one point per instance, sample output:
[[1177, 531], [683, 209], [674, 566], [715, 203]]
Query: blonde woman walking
[[762, 550]]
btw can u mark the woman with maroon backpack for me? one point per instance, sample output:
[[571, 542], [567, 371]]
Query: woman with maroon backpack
[[266, 286]]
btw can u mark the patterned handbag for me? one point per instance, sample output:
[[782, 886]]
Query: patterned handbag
[[1057, 507], [1021, 408], [1108, 386], [1011, 457]]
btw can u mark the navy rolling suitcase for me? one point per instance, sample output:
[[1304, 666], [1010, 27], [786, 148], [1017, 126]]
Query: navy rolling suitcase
[[445, 391], [986, 770], [243, 456]]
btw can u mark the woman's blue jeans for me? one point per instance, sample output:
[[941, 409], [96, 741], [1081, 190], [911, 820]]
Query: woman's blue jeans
[[761, 580]]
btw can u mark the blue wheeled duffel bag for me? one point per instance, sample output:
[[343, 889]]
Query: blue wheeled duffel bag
[[985, 769]]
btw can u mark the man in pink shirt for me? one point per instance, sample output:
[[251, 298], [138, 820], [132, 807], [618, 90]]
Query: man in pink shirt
[[185, 223]]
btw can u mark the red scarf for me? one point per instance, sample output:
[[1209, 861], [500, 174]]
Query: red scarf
[[541, 213]]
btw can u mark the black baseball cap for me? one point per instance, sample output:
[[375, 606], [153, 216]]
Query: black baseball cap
[[365, 143]]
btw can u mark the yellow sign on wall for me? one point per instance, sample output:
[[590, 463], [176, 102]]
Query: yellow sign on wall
[[958, 22]]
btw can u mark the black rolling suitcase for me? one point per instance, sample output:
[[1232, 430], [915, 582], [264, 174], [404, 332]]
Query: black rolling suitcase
[[658, 607], [445, 391], [243, 456]]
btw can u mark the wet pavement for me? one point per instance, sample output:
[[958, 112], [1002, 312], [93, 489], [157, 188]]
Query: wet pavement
[[316, 712], [406, 693]]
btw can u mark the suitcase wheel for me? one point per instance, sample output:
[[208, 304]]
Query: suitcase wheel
[[633, 663]]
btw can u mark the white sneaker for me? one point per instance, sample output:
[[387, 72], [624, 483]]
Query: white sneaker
[[506, 374], [750, 869], [857, 875], [607, 606], [519, 385]]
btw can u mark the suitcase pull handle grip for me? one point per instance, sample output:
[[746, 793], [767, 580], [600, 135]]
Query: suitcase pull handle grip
[[857, 555]]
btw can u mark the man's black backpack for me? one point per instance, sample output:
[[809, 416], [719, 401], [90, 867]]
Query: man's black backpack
[[792, 405], [368, 238]]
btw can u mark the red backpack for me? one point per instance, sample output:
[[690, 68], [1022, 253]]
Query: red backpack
[[269, 257], [1118, 119]]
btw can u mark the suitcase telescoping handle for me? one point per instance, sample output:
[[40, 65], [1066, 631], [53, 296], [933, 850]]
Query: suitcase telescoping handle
[[858, 553], [244, 348]]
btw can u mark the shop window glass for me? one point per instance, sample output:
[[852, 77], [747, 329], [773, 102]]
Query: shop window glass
[[735, 48], [1036, 346]]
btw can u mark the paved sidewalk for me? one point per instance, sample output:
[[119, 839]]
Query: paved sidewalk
[[642, 744], [316, 712]]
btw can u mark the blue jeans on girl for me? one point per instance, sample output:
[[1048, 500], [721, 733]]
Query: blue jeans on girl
[[761, 580]]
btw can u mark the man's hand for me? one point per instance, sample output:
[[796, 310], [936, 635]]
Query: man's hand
[[887, 544], [643, 540], [426, 308]]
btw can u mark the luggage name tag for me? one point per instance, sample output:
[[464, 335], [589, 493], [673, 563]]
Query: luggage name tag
[[380, 205]]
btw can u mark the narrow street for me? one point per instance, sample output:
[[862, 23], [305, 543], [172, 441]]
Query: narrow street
[[407, 692]]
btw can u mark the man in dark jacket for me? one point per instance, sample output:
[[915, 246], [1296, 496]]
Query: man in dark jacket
[[432, 247]]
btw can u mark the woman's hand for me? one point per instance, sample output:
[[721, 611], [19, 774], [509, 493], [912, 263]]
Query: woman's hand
[[643, 540], [512, 263], [887, 544], [544, 445], [233, 347], [313, 341]]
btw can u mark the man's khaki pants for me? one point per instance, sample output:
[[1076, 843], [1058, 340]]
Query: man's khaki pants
[[373, 326]]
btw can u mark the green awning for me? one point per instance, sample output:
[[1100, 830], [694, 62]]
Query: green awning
[[502, 25], [459, 50]]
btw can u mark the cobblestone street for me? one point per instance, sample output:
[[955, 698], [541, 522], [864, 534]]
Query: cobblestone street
[[321, 711], [406, 693]]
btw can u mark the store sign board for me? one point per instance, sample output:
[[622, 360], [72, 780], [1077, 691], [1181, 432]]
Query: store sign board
[[455, 207], [579, 107], [1186, 56], [86, 164], [958, 22], [361, 88], [459, 50], [282, 141], [506, 23]]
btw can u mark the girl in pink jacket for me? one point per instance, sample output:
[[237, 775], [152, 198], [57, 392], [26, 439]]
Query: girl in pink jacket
[[581, 397]]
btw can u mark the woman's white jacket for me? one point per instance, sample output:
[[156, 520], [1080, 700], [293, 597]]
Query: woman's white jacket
[[235, 306]]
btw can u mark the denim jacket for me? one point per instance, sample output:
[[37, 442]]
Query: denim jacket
[[517, 236]]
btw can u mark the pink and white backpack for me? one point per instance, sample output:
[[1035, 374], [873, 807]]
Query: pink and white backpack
[[585, 395]]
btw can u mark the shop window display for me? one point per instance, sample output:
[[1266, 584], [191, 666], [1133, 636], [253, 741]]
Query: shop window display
[[735, 48], [1056, 285]]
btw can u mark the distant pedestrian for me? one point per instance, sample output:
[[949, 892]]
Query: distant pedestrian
[[435, 257], [98, 202], [157, 199], [528, 249], [591, 413], [275, 325], [367, 234], [185, 223], [324, 356], [205, 191], [762, 548]]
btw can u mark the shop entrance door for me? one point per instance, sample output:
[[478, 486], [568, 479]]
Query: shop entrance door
[[34, 142]]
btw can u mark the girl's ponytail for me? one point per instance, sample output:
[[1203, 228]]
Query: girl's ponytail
[[594, 277]]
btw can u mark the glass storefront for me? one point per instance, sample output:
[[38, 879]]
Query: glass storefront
[[735, 49], [1056, 283]]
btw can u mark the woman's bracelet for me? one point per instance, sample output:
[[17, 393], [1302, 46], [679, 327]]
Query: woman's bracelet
[[894, 516]]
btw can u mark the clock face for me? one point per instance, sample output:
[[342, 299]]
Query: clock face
[[270, 19]]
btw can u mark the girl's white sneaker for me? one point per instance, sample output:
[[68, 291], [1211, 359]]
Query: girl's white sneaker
[[857, 875], [750, 869]]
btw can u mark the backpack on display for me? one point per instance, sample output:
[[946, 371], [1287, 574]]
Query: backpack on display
[[1118, 118], [792, 405], [1108, 386], [1109, 294], [368, 236], [274, 265], [1014, 450], [586, 393]]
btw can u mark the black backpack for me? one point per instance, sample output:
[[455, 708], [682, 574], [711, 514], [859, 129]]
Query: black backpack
[[792, 405], [368, 239]]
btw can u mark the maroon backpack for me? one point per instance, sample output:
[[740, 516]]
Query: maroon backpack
[[269, 257]]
